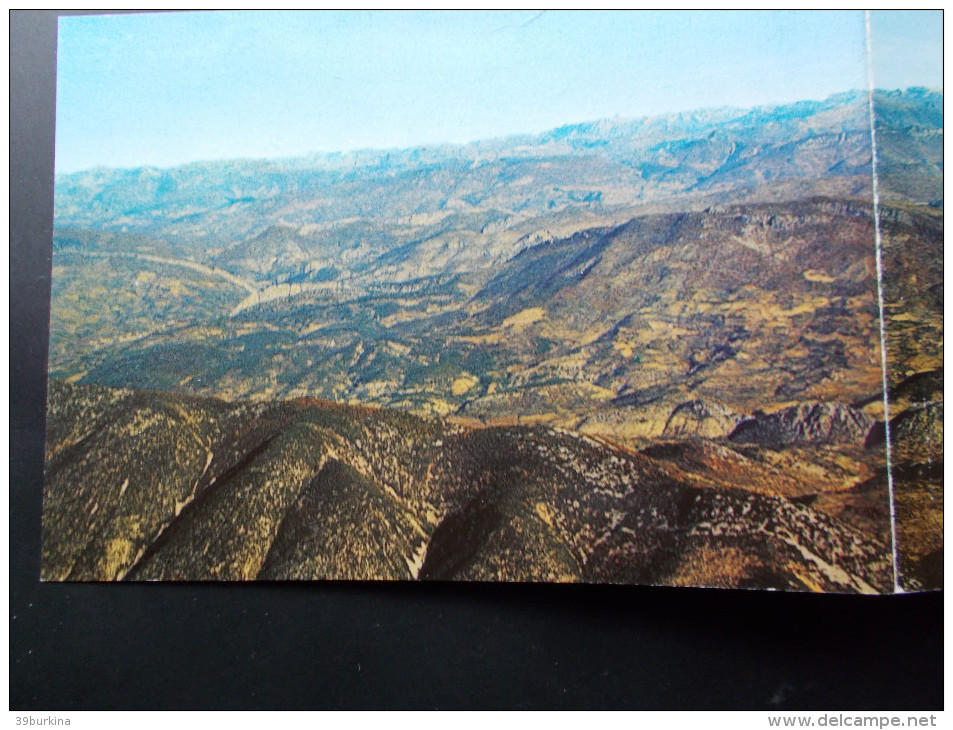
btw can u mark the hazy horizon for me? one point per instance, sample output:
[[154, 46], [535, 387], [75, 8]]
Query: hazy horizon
[[171, 89]]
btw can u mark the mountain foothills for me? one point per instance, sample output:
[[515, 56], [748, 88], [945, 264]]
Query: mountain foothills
[[309, 489], [625, 351]]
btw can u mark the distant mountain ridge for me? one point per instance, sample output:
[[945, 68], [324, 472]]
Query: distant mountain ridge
[[590, 166], [617, 134]]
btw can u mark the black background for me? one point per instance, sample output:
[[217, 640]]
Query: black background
[[375, 645]]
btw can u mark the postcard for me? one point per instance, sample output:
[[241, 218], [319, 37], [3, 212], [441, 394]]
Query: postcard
[[605, 297]]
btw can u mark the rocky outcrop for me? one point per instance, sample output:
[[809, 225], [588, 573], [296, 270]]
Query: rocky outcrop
[[803, 424], [699, 417]]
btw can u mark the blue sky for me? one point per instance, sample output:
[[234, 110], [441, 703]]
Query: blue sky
[[168, 88]]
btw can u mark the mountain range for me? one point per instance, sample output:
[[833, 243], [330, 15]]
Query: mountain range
[[622, 351]]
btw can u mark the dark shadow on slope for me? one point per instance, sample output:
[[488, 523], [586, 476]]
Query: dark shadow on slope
[[192, 510], [458, 539], [930, 572], [298, 524]]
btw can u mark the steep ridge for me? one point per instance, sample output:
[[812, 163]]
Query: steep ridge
[[315, 490]]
